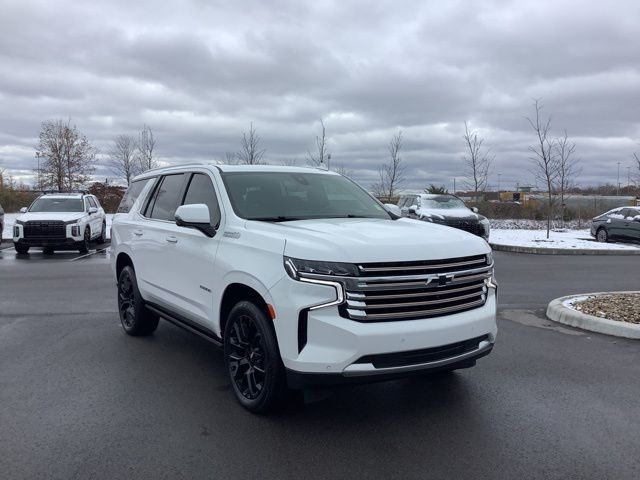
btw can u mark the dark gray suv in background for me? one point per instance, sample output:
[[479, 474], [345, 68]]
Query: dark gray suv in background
[[621, 223]]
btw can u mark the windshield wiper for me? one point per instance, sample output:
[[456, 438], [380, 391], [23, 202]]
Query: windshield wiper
[[279, 218]]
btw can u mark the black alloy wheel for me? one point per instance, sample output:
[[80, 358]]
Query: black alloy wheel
[[135, 318], [252, 358], [246, 358]]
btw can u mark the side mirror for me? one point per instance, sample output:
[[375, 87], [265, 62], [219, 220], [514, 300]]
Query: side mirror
[[195, 216], [393, 209], [92, 210], [23, 210], [474, 209], [413, 209]]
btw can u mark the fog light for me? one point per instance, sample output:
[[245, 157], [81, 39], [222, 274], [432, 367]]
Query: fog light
[[75, 231]]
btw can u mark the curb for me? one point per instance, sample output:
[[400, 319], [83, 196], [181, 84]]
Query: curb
[[560, 251], [557, 312]]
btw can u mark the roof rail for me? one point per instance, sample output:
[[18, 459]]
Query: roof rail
[[190, 164]]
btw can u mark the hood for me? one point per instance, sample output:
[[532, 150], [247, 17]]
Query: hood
[[368, 240], [60, 216], [443, 213]]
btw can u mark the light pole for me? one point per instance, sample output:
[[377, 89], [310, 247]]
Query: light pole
[[618, 194]]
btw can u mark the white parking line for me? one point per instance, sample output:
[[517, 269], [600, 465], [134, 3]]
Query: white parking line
[[5, 248], [89, 254]]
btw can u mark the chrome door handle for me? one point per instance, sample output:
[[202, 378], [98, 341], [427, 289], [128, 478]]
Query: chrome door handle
[[138, 233], [171, 239]]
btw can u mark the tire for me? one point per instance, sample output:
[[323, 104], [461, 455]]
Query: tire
[[21, 249], [47, 251], [252, 359], [103, 236], [135, 318], [602, 235], [86, 242]]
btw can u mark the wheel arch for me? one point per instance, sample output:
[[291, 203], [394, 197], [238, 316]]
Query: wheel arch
[[122, 261], [237, 292]]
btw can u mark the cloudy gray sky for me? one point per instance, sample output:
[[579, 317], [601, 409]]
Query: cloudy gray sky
[[199, 71]]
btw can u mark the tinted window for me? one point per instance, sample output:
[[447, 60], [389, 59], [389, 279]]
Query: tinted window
[[56, 204], [92, 202], [201, 190], [167, 198], [133, 192], [282, 196]]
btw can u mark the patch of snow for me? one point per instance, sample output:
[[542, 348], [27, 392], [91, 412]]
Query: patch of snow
[[569, 239], [571, 302]]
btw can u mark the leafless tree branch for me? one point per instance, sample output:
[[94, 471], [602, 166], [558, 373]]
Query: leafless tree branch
[[478, 161], [320, 157], [392, 174], [145, 148], [122, 157], [250, 153]]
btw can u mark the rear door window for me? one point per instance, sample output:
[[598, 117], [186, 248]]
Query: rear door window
[[167, 197]]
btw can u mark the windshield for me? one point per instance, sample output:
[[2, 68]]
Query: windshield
[[53, 204], [281, 196], [443, 202]]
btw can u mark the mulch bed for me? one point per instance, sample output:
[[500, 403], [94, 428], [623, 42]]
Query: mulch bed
[[624, 307]]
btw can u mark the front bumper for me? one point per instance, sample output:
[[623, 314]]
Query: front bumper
[[60, 243], [319, 347]]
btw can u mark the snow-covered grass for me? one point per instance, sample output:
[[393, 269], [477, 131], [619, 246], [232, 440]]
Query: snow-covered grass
[[568, 239], [525, 224], [10, 219]]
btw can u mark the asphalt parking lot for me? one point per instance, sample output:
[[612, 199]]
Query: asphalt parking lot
[[79, 399]]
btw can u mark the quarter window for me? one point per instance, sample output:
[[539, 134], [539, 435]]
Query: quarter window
[[132, 194], [92, 202]]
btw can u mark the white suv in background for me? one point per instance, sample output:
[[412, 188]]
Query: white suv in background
[[60, 221], [301, 276]]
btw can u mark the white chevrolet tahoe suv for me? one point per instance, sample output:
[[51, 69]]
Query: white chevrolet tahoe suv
[[60, 221], [301, 276]]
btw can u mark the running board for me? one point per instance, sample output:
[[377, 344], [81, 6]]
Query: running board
[[186, 324]]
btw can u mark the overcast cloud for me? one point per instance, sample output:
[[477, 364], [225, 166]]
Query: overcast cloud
[[198, 72]]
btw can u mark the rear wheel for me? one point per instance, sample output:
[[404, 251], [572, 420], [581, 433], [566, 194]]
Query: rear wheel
[[135, 318], [103, 236], [602, 235], [21, 249], [252, 359], [86, 241]]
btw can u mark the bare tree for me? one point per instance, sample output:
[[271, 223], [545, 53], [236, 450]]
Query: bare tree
[[637, 159], [122, 157], [145, 150], [342, 170], [290, 162], [321, 156], [392, 174], [251, 153], [478, 161], [66, 156], [568, 168], [544, 159]]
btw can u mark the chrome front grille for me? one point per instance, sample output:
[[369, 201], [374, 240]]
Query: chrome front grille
[[412, 290]]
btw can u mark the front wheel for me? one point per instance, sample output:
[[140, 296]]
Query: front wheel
[[86, 241], [602, 236], [21, 249], [252, 359], [135, 318]]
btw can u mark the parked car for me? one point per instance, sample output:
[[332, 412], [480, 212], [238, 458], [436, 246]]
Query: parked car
[[1, 222], [444, 209], [60, 221], [621, 223], [301, 276]]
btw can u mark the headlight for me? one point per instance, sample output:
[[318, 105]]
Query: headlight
[[295, 267], [19, 222]]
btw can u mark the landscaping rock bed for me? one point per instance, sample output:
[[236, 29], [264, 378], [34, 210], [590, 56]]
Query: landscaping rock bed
[[623, 307]]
